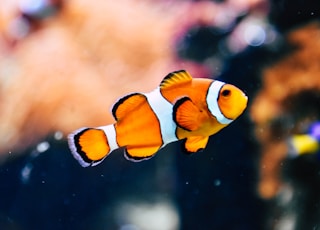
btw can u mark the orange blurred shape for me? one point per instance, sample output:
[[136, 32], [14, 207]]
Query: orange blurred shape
[[279, 109]]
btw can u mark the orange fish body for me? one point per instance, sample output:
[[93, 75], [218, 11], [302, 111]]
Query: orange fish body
[[180, 108]]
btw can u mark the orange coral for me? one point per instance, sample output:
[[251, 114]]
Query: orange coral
[[287, 103], [68, 73]]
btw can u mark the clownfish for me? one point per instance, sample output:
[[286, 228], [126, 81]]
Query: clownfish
[[181, 108]]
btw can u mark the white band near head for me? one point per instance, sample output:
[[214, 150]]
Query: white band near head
[[212, 102]]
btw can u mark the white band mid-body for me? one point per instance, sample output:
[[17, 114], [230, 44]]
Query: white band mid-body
[[163, 110], [212, 102]]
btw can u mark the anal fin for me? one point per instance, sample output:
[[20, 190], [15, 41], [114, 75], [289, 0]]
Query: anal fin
[[137, 154], [195, 144]]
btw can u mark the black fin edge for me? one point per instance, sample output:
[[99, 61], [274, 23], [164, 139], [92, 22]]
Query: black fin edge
[[78, 147], [119, 102]]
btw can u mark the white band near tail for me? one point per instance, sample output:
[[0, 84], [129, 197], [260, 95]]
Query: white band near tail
[[110, 132], [212, 101], [161, 107]]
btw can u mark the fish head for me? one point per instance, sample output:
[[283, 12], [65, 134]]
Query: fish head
[[231, 101]]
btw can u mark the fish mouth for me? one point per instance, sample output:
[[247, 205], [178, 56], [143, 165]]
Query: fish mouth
[[244, 104]]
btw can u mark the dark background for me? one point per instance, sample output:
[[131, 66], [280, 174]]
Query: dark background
[[214, 189]]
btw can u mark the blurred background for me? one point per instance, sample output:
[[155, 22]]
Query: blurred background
[[63, 63]]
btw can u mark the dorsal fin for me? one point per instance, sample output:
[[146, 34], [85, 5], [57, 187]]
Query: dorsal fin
[[126, 104], [174, 78]]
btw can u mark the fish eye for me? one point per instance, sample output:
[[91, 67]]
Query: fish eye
[[226, 92]]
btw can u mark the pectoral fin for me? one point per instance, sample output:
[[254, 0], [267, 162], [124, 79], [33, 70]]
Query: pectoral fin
[[186, 114], [195, 144]]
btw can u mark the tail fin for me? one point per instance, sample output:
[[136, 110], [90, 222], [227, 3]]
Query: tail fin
[[89, 146]]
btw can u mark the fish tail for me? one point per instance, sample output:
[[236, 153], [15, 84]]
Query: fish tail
[[89, 146]]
